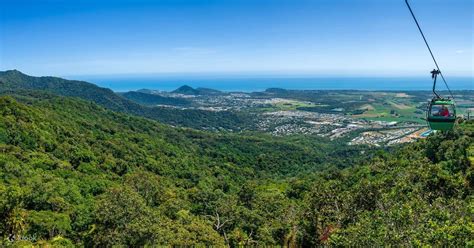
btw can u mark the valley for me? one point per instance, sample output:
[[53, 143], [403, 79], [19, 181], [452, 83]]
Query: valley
[[83, 166], [373, 118], [357, 117]]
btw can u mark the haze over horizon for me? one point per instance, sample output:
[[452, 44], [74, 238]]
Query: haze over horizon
[[238, 37]]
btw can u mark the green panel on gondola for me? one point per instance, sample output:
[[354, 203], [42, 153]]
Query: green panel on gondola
[[441, 124], [443, 102]]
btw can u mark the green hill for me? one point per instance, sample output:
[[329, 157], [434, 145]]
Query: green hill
[[208, 91], [153, 99], [73, 173], [14, 81], [188, 90]]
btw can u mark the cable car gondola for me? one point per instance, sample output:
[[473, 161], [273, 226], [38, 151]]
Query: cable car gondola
[[437, 120], [441, 112]]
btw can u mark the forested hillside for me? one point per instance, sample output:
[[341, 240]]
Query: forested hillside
[[188, 90], [73, 173], [153, 99], [14, 80]]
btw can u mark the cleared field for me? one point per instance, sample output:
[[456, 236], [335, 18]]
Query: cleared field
[[367, 107], [388, 109], [399, 105], [288, 105], [402, 95]]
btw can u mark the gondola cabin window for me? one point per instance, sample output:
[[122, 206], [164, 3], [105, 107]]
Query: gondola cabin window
[[442, 110]]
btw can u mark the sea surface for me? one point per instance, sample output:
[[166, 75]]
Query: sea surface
[[128, 83]]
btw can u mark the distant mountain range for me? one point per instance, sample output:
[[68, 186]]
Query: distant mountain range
[[16, 81]]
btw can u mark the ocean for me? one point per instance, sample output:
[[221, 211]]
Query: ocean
[[128, 83]]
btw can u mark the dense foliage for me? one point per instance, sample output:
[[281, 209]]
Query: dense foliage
[[73, 173], [153, 99]]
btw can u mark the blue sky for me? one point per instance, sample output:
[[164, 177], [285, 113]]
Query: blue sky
[[294, 37]]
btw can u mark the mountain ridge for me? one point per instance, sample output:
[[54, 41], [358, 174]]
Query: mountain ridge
[[201, 119], [154, 99]]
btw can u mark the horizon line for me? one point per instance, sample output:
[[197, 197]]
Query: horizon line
[[251, 74]]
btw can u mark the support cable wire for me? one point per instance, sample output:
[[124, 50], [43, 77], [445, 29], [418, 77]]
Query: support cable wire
[[429, 49]]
